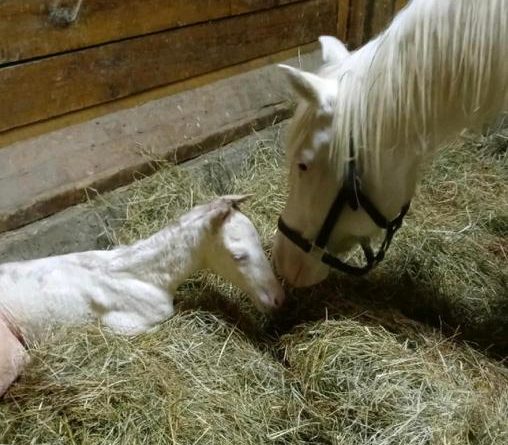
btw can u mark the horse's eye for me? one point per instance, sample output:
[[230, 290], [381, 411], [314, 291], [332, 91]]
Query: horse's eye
[[303, 167], [240, 257]]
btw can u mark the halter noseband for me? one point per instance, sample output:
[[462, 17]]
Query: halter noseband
[[352, 195]]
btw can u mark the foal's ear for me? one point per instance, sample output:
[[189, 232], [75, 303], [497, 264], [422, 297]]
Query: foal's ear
[[316, 90], [222, 207], [333, 50], [236, 200], [219, 211]]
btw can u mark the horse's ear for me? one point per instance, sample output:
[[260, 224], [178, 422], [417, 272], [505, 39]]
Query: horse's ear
[[316, 90], [333, 50]]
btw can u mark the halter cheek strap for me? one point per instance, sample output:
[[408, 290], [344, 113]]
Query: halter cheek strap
[[349, 195]]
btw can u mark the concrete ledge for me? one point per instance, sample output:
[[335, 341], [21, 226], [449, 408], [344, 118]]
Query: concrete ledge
[[85, 226], [48, 173]]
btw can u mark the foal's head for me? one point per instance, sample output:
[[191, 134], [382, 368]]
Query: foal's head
[[235, 252]]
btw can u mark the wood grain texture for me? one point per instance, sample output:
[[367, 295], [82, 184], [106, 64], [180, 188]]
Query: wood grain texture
[[399, 4], [70, 119], [243, 6], [35, 28], [53, 86], [45, 174], [382, 14], [343, 8], [357, 22]]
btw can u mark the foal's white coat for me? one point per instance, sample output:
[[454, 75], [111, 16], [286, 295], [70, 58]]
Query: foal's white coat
[[442, 65], [130, 289]]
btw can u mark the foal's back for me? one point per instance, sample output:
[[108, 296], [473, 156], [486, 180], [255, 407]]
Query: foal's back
[[73, 289]]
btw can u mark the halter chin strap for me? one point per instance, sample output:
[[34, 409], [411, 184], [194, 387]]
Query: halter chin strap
[[352, 195]]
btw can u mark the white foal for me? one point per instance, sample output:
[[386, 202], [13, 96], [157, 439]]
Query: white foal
[[130, 289]]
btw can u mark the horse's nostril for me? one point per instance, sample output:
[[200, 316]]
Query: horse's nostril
[[279, 300]]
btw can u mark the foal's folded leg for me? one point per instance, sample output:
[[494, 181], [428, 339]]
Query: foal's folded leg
[[13, 357]]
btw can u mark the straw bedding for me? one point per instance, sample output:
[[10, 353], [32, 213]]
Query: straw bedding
[[349, 361]]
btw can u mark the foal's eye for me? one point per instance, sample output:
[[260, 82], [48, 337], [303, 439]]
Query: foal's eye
[[303, 167]]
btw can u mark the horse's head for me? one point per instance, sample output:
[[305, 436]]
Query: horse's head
[[236, 253], [318, 170]]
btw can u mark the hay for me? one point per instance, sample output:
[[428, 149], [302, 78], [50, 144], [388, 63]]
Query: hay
[[455, 244], [199, 379], [341, 364], [363, 385], [195, 379]]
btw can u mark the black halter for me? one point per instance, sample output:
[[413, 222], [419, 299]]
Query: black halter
[[352, 195]]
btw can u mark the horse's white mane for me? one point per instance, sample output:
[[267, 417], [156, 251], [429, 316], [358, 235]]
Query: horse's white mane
[[441, 65]]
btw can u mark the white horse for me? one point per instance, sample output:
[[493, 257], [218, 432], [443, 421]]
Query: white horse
[[370, 118], [130, 289]]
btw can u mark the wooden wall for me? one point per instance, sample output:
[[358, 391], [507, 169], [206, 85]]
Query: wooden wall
[[60, 56], [92, 64], [360, 20]]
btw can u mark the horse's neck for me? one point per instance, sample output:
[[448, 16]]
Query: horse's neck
[[167, 258], [441, 66]]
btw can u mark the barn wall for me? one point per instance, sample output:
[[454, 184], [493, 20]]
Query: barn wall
[[360, 20], [67, 62], [60, 68], [61, 56]]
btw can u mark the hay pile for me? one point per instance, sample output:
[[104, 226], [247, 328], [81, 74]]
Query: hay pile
[[199, 379], [364, 385], [195, 377], [341, 365]]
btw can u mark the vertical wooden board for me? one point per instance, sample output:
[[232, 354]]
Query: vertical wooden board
[[35, 28], [343, 9], [357, 22], [53, 86], [399, 4], [382, 14]]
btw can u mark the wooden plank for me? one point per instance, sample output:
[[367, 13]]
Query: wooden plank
[[243, 6], [42, 175], [35, 28], [77, 117], [381, 15], [343, 19], [399, 4], [357, 22], [53, 86]]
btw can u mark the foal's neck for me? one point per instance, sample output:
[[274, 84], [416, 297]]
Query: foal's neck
[[170, 256]]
